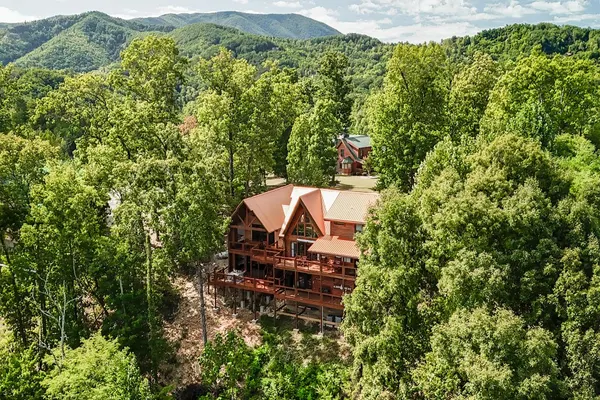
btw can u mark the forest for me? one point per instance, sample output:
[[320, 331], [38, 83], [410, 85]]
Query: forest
[[479, 275]]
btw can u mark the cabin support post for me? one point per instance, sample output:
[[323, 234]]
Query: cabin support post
[[234, 302], [254, 304], [321, 320], [215, 291], [296, 320]]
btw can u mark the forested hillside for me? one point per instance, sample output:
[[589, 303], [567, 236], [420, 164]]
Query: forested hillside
[[480, 264], [514, 41], [291, 26]]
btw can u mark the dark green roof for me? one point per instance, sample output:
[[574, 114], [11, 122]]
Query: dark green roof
[[347, 160], [359, 141]]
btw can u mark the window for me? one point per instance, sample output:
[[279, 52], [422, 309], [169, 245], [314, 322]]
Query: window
[[259, 236], [342, 153], [358, 228], [305, 228]]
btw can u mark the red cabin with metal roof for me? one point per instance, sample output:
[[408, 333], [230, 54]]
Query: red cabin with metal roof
[[292, 251]]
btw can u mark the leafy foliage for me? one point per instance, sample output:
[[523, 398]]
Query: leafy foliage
[[96, 370], [278, 369]]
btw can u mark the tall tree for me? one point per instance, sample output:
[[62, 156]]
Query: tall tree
[[469, 95], [334, 85], [311, 149], [495, 225], [22, 166], [409, 115], [544, 97], [152, 69], [239, 122]]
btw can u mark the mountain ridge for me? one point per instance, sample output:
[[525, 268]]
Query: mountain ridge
[[292, 26]]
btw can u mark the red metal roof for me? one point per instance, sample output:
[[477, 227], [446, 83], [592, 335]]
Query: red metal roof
[[333, 245], [268, 206], [275, 207]]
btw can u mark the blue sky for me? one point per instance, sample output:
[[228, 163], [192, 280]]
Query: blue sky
[[389, 20]]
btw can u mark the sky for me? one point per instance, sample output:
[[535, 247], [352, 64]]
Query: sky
[[414, 21]]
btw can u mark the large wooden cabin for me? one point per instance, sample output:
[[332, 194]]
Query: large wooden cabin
[[292, 250]]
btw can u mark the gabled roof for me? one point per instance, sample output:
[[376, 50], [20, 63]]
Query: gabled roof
[[314, 205], [269, 206], [290, 208], [359, 141], [276, 207]]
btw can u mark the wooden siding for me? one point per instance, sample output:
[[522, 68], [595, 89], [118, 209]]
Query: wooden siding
[[344, 230]]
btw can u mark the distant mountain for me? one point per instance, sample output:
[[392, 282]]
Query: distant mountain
[[92, 40], [291, 26], [79, 42]]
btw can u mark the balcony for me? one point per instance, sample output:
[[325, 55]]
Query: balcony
[[332, 268], [305, 296], [266, 255], [236, 279]]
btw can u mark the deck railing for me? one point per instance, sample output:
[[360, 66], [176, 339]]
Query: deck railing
[[224, 278], [341, 269], [303, 295], [267, 254], [242, 246]]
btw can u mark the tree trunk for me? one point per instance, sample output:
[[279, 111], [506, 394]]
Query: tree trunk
[[63, 317], [16, 294], [150, 301], [231, 171], [202, 304]]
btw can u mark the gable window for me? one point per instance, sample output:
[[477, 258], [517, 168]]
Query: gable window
[[342, 153], [305, 228]]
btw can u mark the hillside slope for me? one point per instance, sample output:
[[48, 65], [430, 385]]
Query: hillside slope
[[94, 41], [292, 26], [517, 40]]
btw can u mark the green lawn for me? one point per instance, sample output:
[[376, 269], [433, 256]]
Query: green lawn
[[344, 182]]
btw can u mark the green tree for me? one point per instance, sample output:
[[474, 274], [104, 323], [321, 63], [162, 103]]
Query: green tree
[[96, 370], [22, 166], [490, 224], [469, 95], [240, 122], [311, 149], [334, 85], [225, 363], [152, 69], [483, 355], [544, 97], [19, 376], [409, 115]]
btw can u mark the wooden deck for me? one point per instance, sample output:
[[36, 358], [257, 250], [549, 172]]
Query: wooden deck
[[224, 279], [309, 297], [340, 271]]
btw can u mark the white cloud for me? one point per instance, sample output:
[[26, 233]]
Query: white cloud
[[512, 9], [8, 15], [559, 7], [171, 9], [241, 1], [414, 33], [577, 18], [366, 7], [287, 4], [415, 7]]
